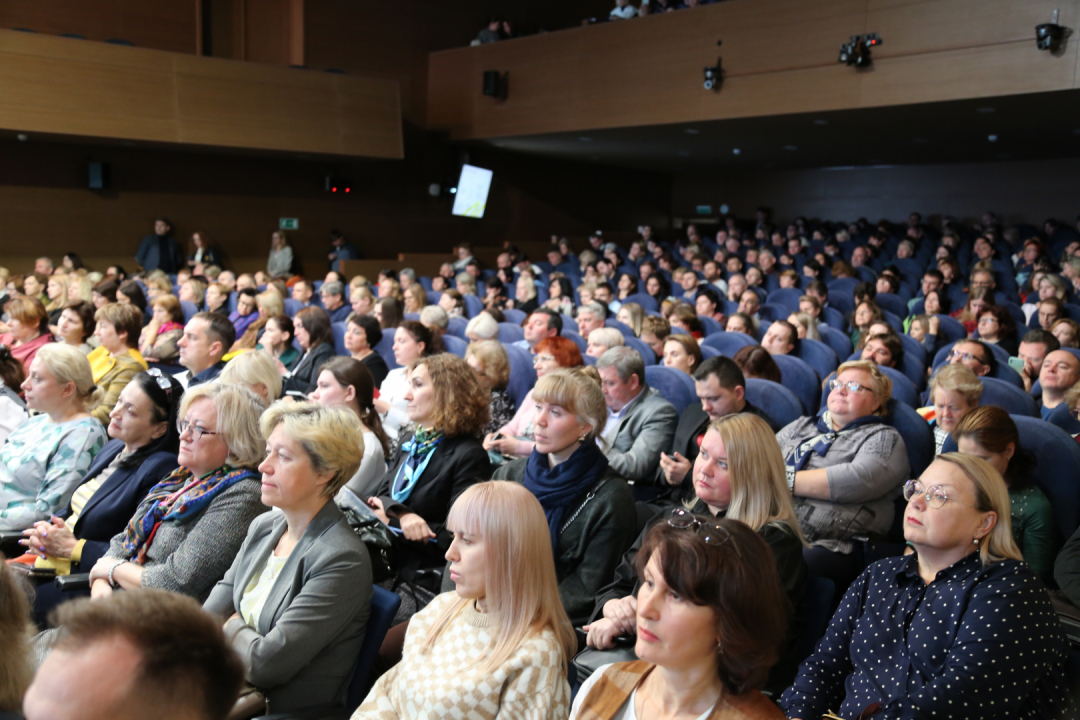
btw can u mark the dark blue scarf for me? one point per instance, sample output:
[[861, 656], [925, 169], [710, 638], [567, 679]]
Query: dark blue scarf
[[825, 438], [556, 487]]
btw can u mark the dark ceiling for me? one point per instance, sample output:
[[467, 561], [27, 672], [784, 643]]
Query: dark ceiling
[[1019, 127]]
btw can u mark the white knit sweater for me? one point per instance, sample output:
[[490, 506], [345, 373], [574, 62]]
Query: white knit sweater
[[448, 682]]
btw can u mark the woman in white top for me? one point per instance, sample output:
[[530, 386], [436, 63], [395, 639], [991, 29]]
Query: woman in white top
[[498, 646], [345, 382], [411, 341], [281, 256]]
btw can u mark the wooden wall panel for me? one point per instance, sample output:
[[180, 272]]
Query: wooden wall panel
[[779, 57], [92, 89], [161, 24]]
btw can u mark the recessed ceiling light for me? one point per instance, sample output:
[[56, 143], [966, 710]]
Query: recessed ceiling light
[[736, 151], [691, 131], [985, 110], [791, 147], [992, 138], [585, 139], [821, 121]]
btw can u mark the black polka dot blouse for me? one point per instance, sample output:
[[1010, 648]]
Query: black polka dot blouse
[[977, 642]]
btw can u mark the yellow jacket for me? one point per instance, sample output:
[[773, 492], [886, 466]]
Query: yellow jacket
[[112, 374]]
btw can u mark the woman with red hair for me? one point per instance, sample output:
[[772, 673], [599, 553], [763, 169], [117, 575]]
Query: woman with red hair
[[515, 439]]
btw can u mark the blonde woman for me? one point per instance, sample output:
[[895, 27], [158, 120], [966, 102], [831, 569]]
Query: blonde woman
[[525, 298], [269, 304], [281, 256], [806, 325], [603, 339], [739, 474], [632, 315], [415, 298], [966, 576], [499, 644], [193, 291], [489, 361], [954, 392], [362, 300], [465, 284], [298, 594], [56, 291], [80, 287], [255, 370]]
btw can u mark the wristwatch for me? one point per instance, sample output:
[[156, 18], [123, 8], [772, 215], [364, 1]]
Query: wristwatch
[[791, 479]]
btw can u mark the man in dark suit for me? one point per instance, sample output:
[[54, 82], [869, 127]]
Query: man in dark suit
[[721, 390], [160, 250]]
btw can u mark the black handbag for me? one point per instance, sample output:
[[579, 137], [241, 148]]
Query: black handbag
[[379, 541]]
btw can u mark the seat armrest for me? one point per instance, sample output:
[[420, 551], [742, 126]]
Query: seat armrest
[[79, 581]]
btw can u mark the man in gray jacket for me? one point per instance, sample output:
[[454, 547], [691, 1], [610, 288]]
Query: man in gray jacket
[[641, 423]]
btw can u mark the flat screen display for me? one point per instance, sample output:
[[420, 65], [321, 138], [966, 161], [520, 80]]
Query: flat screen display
[[472, 191]]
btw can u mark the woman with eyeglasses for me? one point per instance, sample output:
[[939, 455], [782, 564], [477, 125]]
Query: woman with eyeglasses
[[954, 391], [989, 433], [996, 326], [738, 474], [141, 452], [961, 628], [515, 439], [711, 617], [844, 468], [185, 533]]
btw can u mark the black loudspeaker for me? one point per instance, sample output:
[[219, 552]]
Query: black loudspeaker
[[98, 176], [494, 84]]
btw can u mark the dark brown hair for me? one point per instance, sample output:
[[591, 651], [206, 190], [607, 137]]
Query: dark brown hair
[[991, 427], [317, 323], [739, 581], [462, 406], [348, 371], [422, 334], [85, 311], [756, 362]]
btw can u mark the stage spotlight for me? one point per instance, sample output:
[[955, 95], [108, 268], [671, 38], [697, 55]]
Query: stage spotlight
[[857, 51]]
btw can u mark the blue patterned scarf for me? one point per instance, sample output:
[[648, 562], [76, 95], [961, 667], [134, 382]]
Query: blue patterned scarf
[[420, 448]]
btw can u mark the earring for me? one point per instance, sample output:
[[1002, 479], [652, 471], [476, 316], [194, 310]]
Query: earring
[[581, 439], [976, 540]]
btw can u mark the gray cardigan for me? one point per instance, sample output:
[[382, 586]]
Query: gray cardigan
[[188, 558], [866, 468], [304, 646]]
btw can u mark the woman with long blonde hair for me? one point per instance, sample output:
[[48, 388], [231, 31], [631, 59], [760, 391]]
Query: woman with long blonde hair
[[500, 643], [738, 474]]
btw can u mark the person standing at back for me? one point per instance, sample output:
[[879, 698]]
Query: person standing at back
[[160, 251]]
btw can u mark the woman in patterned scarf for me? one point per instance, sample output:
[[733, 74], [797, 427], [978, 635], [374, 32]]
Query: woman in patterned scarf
[[190, 526]]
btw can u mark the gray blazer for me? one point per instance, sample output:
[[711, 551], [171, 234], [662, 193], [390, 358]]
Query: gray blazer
[[304, 646], [188, 558], [645, 431]]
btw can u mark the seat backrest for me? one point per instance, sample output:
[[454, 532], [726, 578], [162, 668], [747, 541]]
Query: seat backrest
[[644, 350], [385, 348], [788, 297], [509, 332], [433, 297], [675, 386], [473, 305], [817, 605], [581, 342], [819, 356], [514, 316], [836, 339], [801, 379], [1010, 398], [626, 330], [918, 437], [895, 321], [338, 329], [775, 400], [708, 351], [456, 327], [772, 313], [710, 326], [950, 328], [292, 307], [892, 303], [1064, 418], [729, 343], [384, 605], [455, 345], [522, 374], [914, 348], [834, 318], [646, 301], [189, 309]]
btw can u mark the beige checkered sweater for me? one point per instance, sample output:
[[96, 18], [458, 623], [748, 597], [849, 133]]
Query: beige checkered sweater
[[448, 682]]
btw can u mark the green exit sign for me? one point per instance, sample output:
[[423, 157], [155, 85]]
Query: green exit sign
[[289, 223]]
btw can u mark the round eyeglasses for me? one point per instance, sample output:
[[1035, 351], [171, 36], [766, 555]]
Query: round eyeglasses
[[710, 530], [936, 496]]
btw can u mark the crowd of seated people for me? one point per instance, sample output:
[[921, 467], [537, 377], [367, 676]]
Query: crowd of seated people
[[612, 394]]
